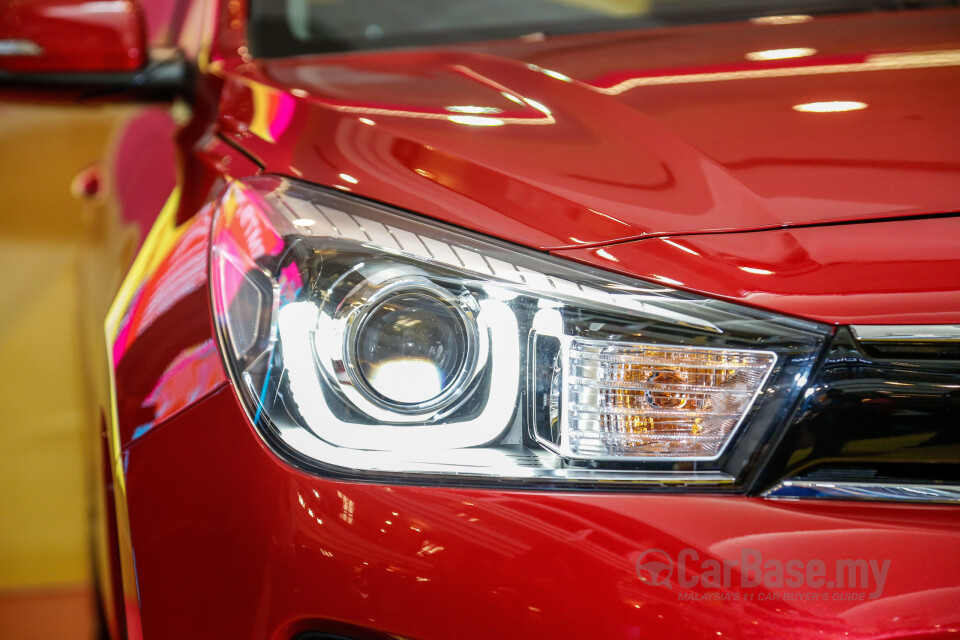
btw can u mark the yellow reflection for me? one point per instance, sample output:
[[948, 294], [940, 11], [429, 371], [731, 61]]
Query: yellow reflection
[[348, 178], [781, 54], [367, 121], [832, 106], [612, 7], [475, 121], [778, 20]]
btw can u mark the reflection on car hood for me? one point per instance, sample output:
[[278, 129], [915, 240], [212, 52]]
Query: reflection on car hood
[[580, 140]]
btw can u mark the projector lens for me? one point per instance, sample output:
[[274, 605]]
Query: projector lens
[[413, 349]]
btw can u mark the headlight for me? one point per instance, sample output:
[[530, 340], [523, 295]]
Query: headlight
[[369, 342]]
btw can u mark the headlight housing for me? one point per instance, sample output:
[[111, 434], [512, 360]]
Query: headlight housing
[[367, 342]]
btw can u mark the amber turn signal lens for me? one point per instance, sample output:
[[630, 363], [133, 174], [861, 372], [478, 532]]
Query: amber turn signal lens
[[628, 399]]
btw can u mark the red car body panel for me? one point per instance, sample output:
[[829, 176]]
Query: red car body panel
[[668, 142], [107, 36], [164, 353], [606, 137], [231, 542], [893, 272]]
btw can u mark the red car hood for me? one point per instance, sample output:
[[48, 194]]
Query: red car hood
[[585, 140]]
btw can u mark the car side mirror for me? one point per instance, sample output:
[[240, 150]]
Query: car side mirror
[[81, 50]]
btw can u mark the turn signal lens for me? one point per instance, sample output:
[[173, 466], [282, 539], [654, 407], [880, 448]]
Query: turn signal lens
[[655, 401]]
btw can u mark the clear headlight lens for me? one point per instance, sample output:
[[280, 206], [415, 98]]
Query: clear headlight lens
[[365, 341]]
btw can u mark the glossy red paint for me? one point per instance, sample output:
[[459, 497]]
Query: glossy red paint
[[598, 138], [606, 137], [895, 272], [163, 352], [142, 182], [233, 543], [164, 346], [74, 35]]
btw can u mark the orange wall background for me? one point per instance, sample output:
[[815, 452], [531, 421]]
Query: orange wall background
[[45, 428]]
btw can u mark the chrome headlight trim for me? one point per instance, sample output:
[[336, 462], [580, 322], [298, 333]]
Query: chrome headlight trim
[[801, 489]]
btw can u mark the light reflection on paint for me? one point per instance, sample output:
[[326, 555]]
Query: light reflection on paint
[[666, 279], [194, 373], [781, 54], [879, 62], [603, 253], [797, 18], [470, 109], [272, 112], [476, 121], [759, 272], [832, 106], [528, 116], [180, 272], [680, 246], [539, 107], [549, 72]]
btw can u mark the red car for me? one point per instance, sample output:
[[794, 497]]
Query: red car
[[527, 319]]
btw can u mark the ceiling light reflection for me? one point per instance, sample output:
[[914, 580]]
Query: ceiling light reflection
[[603, 253], [475, 121], [878, 62], [781, 54], [666, 279], [680, 246], [473, 109], [556, 75], [539, 107], [779, 20], [832, 106]]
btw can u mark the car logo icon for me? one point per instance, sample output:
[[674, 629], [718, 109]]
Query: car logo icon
[[655, 567]]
